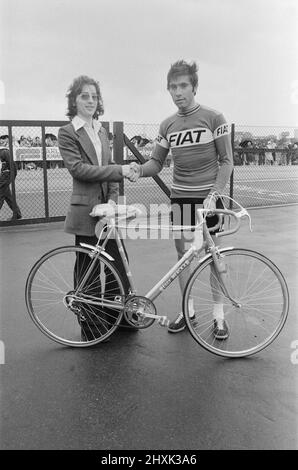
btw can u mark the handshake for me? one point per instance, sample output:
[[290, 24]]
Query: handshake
[[132, 172]]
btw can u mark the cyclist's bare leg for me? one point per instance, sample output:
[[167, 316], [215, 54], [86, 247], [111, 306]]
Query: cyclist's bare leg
[[218, 298], [182, 244], [183, 240]]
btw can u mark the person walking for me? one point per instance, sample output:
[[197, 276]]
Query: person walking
[[7, 176]]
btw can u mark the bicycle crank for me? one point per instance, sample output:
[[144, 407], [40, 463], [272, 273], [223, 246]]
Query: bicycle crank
[[140, 312]]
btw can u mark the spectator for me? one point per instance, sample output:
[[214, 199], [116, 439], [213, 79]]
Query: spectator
[[278, 153], [290, 153], [254, 154], [272, 146], [246, 155], [261, 159], [139, 141], [283, 158], [50, 140], [36, 142], [295, 154], [268, 155], [4, 140], [237, 157], [23, 142]]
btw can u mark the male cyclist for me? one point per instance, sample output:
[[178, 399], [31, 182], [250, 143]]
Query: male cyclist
[[199, 140]]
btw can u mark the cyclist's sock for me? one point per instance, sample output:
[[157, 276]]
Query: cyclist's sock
[[218, 314]]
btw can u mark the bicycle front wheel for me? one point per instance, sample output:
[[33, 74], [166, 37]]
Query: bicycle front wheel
[[255, 316], [75, 297]]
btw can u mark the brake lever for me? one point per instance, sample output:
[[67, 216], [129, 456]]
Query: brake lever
[[244, 213]]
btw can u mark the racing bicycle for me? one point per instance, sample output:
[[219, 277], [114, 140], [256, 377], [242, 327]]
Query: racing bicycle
[[76, 297]]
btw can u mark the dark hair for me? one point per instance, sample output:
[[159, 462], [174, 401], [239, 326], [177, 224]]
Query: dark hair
[[4, 155], [50, 136], [75, 89], [181, 67]]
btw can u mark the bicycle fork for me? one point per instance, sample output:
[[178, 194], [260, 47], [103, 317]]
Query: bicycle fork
[[221, 270]]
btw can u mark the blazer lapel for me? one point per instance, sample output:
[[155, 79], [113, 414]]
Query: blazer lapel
[[87, 145]]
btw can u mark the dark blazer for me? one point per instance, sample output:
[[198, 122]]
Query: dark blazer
[[92, 184]]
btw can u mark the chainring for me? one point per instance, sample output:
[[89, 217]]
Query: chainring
[[135, 309]]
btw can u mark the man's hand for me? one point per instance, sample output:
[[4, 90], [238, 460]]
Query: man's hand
[[135, 172], [131, 172], [126, 171], [210, 203], [112, 203]]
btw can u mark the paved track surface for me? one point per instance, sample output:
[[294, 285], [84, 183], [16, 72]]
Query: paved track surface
[[146, 390], [254, 186]]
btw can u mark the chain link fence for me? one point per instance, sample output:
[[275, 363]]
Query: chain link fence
[[149, 194], [265, 172], [42, 185], [59, 180], [266, 165]]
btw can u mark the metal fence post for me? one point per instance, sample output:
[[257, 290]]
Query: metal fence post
[[118, 146], [232, 174], [106, 126], [12, 169], [45, 175]]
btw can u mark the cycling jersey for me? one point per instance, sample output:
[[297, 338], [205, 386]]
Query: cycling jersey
[[200, 144]]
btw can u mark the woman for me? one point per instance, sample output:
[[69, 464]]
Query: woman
[[85, 149]]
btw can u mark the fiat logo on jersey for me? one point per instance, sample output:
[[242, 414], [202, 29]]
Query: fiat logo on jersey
[[222, 130], [188, 137]]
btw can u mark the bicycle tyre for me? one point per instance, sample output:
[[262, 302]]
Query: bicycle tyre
[[57, 312], [257, 284]]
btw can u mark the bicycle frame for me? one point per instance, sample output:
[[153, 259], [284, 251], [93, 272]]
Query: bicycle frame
[[202, 240]]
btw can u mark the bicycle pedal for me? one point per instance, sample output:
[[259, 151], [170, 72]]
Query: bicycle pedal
[[163, 321]]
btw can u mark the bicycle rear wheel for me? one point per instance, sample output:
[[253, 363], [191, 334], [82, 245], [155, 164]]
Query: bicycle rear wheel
[[73, 298], [259, 289]]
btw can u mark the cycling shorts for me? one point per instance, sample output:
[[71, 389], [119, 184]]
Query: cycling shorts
[[183, 212]]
